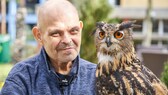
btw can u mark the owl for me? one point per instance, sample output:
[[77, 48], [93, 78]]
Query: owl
[[119, 71]]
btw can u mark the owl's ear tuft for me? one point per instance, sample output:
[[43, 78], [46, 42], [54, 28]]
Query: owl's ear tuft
[[128, 24], [98, 25]]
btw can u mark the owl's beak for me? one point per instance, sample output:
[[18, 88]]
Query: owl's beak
[[108, 41]]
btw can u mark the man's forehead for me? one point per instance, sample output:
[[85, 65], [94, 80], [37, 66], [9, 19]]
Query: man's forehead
[[64, 25]]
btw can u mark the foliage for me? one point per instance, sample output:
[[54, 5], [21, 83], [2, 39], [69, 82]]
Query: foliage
[[4, 69], [91, 11], [164, 76]]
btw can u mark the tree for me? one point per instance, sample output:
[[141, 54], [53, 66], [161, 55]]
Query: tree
[[148, 19], [164, 75], [91, 11], [20, 41]]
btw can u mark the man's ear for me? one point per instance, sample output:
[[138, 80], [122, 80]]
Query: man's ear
[[81, 24], [37, 34]]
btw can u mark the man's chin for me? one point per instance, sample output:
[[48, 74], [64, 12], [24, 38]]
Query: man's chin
[[68, 58]]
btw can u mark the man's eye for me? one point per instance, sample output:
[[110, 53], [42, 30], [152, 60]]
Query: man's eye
[[74, 31], [55, 34]]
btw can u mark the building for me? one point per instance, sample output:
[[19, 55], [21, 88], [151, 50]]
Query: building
[[137, 10], [153, 36]]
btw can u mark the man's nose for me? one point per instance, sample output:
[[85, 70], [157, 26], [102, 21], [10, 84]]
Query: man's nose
[[66, 38]]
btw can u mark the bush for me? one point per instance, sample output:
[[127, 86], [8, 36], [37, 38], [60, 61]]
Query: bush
[[164, 76]]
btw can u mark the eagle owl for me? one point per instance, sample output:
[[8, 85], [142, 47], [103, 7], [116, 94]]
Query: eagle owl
[[119, 71]]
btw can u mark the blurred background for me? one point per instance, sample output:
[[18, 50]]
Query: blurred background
[[17, 17]]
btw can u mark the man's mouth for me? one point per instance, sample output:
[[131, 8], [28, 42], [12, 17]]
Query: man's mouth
[[68, 49]]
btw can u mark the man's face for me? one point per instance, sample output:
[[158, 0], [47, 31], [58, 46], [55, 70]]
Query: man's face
[[61, 39]]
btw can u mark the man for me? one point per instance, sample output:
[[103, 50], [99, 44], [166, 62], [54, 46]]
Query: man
[[57, 70]]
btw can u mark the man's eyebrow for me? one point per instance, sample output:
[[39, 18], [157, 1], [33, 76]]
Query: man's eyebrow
[[51, 31], [75, 28], [56, 30]]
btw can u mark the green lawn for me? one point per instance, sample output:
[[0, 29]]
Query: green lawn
[[4, 70]]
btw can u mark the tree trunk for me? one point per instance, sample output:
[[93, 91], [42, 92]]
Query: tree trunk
[[20, 42], [148, 20]]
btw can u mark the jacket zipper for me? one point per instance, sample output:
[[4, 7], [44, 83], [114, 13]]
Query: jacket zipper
[[62, 90]]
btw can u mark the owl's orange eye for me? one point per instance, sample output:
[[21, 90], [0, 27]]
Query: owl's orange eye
[[101, 35], [118, 35]]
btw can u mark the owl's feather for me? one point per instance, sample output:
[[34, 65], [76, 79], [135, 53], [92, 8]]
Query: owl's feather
[[119, 71]]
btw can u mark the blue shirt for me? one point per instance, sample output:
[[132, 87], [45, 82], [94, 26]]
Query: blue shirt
[[35, 76]]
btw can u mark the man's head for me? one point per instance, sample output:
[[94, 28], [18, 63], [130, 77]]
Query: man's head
[[59, 30]]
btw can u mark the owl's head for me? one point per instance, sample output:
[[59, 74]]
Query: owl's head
[[114, 38]]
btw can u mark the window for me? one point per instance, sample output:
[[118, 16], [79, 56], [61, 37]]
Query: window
[[138, 22], [117, 2], [154, 42], [165, 42], [165, 26], [31, 6], [155, 25], [114, 2]]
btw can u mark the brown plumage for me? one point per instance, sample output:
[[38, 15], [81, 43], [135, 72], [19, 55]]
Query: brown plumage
[[119, 71]]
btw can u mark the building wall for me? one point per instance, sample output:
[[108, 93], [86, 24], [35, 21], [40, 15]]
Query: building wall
[[133, 3], [160, 3], [144, 3]]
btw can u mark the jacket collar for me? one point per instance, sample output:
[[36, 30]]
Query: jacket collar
[[50, 68]]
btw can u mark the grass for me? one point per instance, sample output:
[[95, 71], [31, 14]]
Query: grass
[[4, 70]]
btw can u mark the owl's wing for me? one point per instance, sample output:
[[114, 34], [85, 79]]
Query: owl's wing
[[160, 88], [130, 81]]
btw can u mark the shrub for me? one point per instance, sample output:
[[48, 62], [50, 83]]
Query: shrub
[[164, 75]]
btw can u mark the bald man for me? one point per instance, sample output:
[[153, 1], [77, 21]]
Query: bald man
[[57, 69]]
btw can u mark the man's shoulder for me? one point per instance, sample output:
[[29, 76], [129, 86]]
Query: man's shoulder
[[24, 66], [87, 64]]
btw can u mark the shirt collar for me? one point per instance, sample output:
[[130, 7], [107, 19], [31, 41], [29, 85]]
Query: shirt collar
[[50, 68]]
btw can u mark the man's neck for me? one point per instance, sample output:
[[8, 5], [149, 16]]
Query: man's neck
[[62, 68]]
